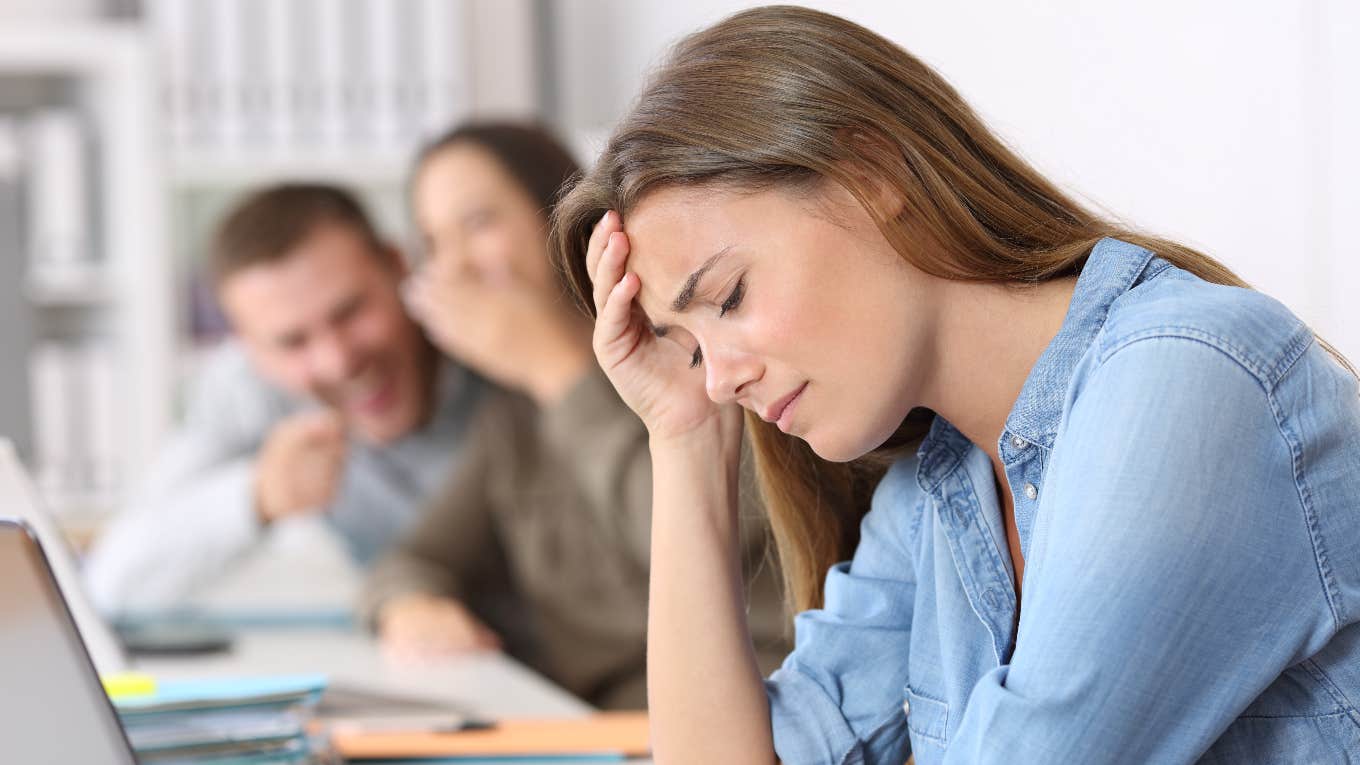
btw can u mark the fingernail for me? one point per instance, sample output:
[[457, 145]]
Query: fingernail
[[605, 218]]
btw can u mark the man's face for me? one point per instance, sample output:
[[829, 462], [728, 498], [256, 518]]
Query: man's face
[[327, 321]]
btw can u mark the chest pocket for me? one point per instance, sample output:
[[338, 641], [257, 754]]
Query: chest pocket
[[927, 719]]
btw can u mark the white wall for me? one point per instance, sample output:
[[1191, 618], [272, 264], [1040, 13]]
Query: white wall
[[1227, 125]]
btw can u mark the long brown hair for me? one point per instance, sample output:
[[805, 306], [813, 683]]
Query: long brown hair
[[785, 95]]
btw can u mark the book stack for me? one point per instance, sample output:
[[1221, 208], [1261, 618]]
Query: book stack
[[222, 721]]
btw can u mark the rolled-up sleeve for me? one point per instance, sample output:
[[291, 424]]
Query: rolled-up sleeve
[[838, 697], [1171, 577]]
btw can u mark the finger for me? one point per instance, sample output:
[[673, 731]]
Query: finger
[[599, 237], [320, 425], [304, 424], [488, 640], [450, 634], [328, 443], [613, 262], [407, 289], [615, 320], [416, 292]]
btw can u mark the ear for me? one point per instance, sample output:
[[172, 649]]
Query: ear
[[872, 164]]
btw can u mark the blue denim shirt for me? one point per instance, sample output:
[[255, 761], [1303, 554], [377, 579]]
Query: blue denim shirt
[[1185, 464]]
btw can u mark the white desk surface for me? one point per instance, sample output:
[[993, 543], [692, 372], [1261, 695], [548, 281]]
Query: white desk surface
[[488, 685], [491, 685]]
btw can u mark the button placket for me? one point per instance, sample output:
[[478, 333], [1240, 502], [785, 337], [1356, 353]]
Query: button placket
[[973, 548], [992, 598]]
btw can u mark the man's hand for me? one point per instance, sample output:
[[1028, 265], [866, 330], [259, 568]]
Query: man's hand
[[299, 468], [419, 627]]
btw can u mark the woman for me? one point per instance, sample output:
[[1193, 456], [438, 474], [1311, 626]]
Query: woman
[[540, 540], [1124, 528]]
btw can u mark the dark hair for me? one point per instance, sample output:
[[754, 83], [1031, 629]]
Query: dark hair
[[532, 155], [271, 222]]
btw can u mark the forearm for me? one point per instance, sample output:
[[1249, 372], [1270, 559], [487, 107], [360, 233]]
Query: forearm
[[705, 693], [396, 575], [452, 543], [156, 552]]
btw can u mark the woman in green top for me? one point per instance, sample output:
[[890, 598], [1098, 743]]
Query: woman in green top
[[540, 540]]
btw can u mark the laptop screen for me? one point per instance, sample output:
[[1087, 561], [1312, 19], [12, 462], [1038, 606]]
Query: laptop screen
[[52, 708]]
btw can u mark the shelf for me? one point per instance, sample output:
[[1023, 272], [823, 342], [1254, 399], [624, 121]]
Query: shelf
[[243, 168], [70, 286], [80, 47]]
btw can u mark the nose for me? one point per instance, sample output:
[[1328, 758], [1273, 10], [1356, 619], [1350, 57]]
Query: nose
[[470, 264], [727, 373], [450, 260], [333, 357]]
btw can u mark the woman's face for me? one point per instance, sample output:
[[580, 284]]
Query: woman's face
[[472, 213], [795, 306]]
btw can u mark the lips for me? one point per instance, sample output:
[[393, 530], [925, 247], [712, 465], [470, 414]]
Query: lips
[[774, 412], [375, 401], [370, 393]]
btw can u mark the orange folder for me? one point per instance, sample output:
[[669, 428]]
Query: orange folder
[[622, 733]]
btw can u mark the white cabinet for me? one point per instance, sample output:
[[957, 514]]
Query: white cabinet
[[116, 297]]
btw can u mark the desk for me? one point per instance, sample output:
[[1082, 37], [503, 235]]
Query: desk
[[491, 685]]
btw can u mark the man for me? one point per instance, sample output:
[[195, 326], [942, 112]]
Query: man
[[330, 400]]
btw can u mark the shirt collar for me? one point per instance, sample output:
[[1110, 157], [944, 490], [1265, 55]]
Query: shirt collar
[[1112, 268]]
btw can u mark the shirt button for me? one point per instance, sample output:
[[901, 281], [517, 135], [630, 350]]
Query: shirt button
[[1017, 442], [906, 708], [1031, 491], [992, 599]]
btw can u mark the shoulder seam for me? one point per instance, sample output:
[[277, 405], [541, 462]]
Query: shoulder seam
[[1294, 350], [1267, 376], [1327, 581]]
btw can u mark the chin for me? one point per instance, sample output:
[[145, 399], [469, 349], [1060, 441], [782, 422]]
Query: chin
[[385, 430], [845, 446], [834, 449]]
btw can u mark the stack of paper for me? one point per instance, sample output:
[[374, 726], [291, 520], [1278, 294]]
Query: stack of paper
[[222, 721], [607, 736]]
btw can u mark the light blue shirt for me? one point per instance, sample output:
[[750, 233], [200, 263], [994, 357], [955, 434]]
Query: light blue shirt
[[194, 515], [1185, 465]]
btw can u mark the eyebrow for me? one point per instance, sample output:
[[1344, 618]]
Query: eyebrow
[[686, 294]]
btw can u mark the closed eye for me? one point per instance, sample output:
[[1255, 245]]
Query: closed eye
[[730, 304], [733, 298]]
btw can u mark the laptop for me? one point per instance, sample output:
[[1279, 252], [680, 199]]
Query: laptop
[[19, 499], [53, 708]]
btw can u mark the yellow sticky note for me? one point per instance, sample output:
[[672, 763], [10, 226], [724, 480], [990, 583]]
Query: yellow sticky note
[[128, 684]]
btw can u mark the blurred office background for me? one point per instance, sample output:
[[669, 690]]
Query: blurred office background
[[126, 127]]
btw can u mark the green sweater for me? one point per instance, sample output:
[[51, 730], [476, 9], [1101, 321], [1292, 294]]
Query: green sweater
[[544, 531]]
